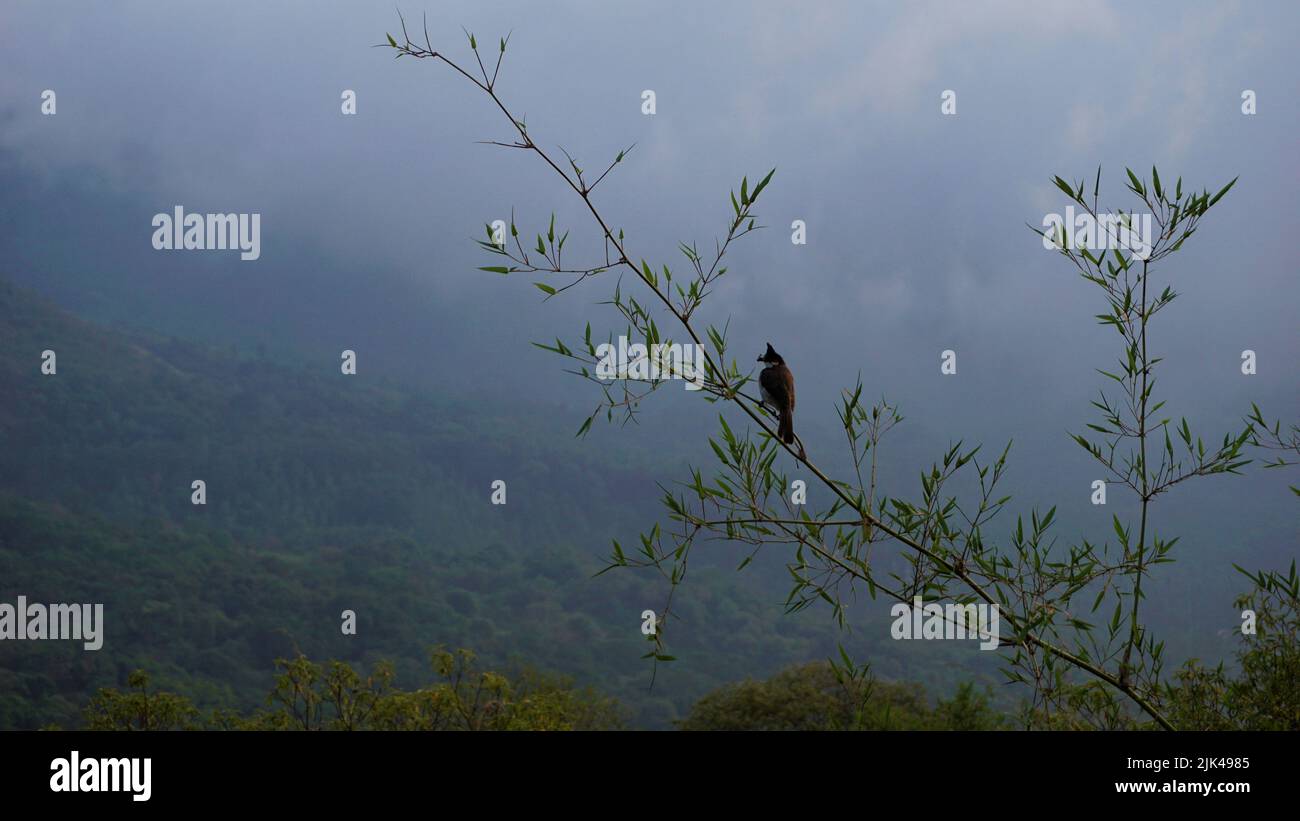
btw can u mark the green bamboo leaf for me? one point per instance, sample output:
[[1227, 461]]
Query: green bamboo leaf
[[1225, 190], [1137, 184]]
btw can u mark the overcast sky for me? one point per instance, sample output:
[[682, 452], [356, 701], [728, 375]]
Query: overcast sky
[[915, 220]]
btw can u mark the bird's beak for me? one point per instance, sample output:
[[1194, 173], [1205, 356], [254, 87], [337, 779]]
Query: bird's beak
[[760, 359]]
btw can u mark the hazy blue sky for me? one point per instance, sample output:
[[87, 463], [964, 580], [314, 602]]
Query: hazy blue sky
[[916, 221]]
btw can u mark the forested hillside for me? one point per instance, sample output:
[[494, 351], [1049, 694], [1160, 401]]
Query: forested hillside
[[328, 492]]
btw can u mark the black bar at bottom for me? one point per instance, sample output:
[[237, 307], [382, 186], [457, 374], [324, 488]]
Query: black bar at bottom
[[334, 771]]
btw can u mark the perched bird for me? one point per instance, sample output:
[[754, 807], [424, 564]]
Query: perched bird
[[777, 385]]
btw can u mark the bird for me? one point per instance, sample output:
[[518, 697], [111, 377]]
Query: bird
[[777, 386]]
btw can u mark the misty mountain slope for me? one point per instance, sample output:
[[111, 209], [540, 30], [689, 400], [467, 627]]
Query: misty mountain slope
[[326, 493]]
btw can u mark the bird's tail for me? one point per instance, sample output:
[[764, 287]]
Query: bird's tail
[[785, 427]]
